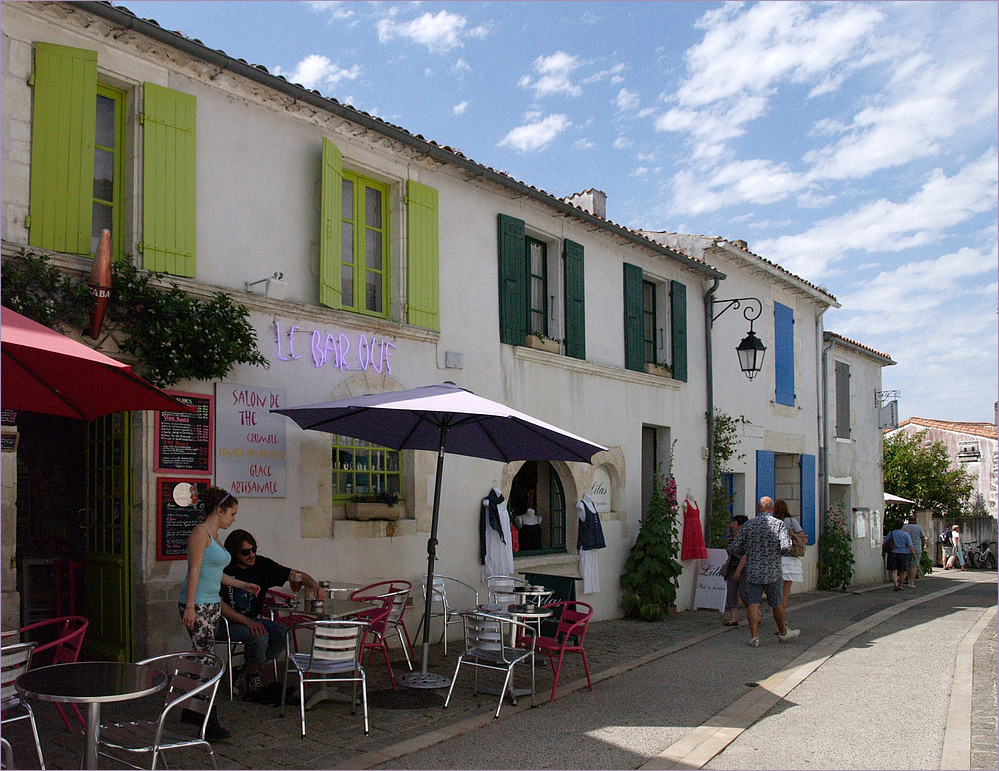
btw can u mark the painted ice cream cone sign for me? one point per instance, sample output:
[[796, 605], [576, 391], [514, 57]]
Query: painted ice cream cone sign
[[100, 284]]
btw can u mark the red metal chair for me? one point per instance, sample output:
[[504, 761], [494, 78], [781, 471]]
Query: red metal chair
[[374, 636], [572, 623], [59, 642], [286, 617], [399, 591]]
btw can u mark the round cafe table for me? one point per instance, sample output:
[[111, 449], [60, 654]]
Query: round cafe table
[[92, 683]]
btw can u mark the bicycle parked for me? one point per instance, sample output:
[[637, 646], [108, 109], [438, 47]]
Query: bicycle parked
[[970, 555], [984, 558]]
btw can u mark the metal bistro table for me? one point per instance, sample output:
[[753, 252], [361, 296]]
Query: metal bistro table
[[92, 683], [526, 614]]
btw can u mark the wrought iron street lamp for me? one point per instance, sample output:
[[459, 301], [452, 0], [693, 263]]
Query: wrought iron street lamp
[[751, 350]]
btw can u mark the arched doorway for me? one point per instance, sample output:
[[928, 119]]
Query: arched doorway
[[537, 486]]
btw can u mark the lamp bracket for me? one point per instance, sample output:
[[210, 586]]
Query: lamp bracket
[[748, 313], [274, 277]]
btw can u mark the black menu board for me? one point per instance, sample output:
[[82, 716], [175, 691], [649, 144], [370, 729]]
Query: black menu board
[[179, 509], [184, 439]]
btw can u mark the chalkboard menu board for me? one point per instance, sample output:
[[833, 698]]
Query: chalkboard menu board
[[179, 509], [184, 439]]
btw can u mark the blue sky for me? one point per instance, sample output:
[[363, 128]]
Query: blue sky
[[855, 144]]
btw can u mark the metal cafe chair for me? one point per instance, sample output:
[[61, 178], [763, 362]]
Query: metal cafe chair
[[489, 645], [15, 659], [399, 590], [373, 638], [335, 656], [501, 588], [59, 642], [449, 612], [569, 637], [193, 681]]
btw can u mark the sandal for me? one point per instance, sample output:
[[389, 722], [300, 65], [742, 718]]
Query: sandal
[[730, 623]]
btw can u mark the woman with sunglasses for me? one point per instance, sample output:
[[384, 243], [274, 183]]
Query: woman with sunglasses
[[200, 599], [263, 638]]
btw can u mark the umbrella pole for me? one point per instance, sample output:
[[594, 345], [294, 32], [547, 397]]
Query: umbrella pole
[[424, 679]]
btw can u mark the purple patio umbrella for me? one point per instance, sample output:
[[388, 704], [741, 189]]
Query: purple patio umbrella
[[442, 418]]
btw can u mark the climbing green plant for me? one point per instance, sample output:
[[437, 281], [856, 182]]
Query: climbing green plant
[[726, 445], [652, 572], [835, 552], [173, 336]]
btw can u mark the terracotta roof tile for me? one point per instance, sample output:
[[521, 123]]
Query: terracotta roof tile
[[867, 348], [987, 430]]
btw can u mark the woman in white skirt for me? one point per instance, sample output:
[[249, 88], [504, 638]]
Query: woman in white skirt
[[791, 565]]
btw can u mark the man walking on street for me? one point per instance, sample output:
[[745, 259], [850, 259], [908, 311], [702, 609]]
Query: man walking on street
[[763, 540]]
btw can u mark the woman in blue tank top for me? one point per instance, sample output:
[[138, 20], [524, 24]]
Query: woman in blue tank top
[[200, 601]]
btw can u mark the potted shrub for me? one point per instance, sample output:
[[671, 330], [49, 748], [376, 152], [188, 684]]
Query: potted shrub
[[380, 506], [542, 342]]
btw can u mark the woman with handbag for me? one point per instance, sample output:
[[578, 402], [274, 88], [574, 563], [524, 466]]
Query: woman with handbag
[[790, 566], [900, 551], [734, 589]]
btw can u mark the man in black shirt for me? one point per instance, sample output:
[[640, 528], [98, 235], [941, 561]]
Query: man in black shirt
[[263, 639]]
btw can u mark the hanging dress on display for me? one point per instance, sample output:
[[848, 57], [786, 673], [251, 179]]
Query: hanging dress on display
[[495, 550], [530, 535], [588, 541], [693, 547]]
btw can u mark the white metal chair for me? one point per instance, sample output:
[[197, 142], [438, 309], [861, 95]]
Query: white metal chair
[[14, 662], [449, 611], [490, 644], [501, 588], [231, 647], [335, 656], [192, 683]]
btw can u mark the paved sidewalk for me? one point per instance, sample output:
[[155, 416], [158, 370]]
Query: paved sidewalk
[[616, 648]]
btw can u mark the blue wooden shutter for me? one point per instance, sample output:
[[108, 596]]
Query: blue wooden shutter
[[784, 353], [514, 308], [634, 345], [422, 275], [766, 477], [169, 181], [330, 224], [808, 496], [678, 324], [64, 110], [575, 307]]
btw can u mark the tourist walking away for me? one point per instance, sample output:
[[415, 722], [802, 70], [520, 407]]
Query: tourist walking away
[[948, 548], [764, 540], [957, 549], [200, 601], [790, 566], [918, 537], [734, 589], [263, 639], [900, 550]]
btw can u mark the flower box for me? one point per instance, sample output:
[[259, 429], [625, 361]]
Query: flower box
[[662, 370], [374, 510], [542, 343]]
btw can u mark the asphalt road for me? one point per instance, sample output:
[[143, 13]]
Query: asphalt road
[[880, 701]]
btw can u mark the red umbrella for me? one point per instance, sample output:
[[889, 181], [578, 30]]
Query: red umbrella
[[44, 371]]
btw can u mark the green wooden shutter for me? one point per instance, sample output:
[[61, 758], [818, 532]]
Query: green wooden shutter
[[62, 148], [423, 255], [331, 212], [514, 306], [634, 346], [169, 181], [575, 308], [678, 319]]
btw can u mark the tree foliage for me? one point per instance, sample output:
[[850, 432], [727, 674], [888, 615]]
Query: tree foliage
[[918, 469], [726, 443], [652, 572]]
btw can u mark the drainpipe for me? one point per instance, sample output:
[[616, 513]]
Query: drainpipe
[[709, 385], [823, 428]]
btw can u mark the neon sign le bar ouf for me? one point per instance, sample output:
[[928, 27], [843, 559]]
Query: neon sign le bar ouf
[[372, 353]]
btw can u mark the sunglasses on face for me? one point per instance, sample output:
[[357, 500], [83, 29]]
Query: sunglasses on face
[[248, 552]]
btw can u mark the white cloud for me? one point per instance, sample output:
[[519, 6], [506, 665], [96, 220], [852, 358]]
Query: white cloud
[[553, 75], [336, 10], [622, 142], [438, 32], [883, 226], [537, 135], [626, 100], [583, 144], [459, 109], [316, 71]]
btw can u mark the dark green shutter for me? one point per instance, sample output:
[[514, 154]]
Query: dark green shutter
[[169, 181], [422, 245], [62, 148], [634, 346], [330, 224], [513, 297], [575, 310], [678, 319]]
